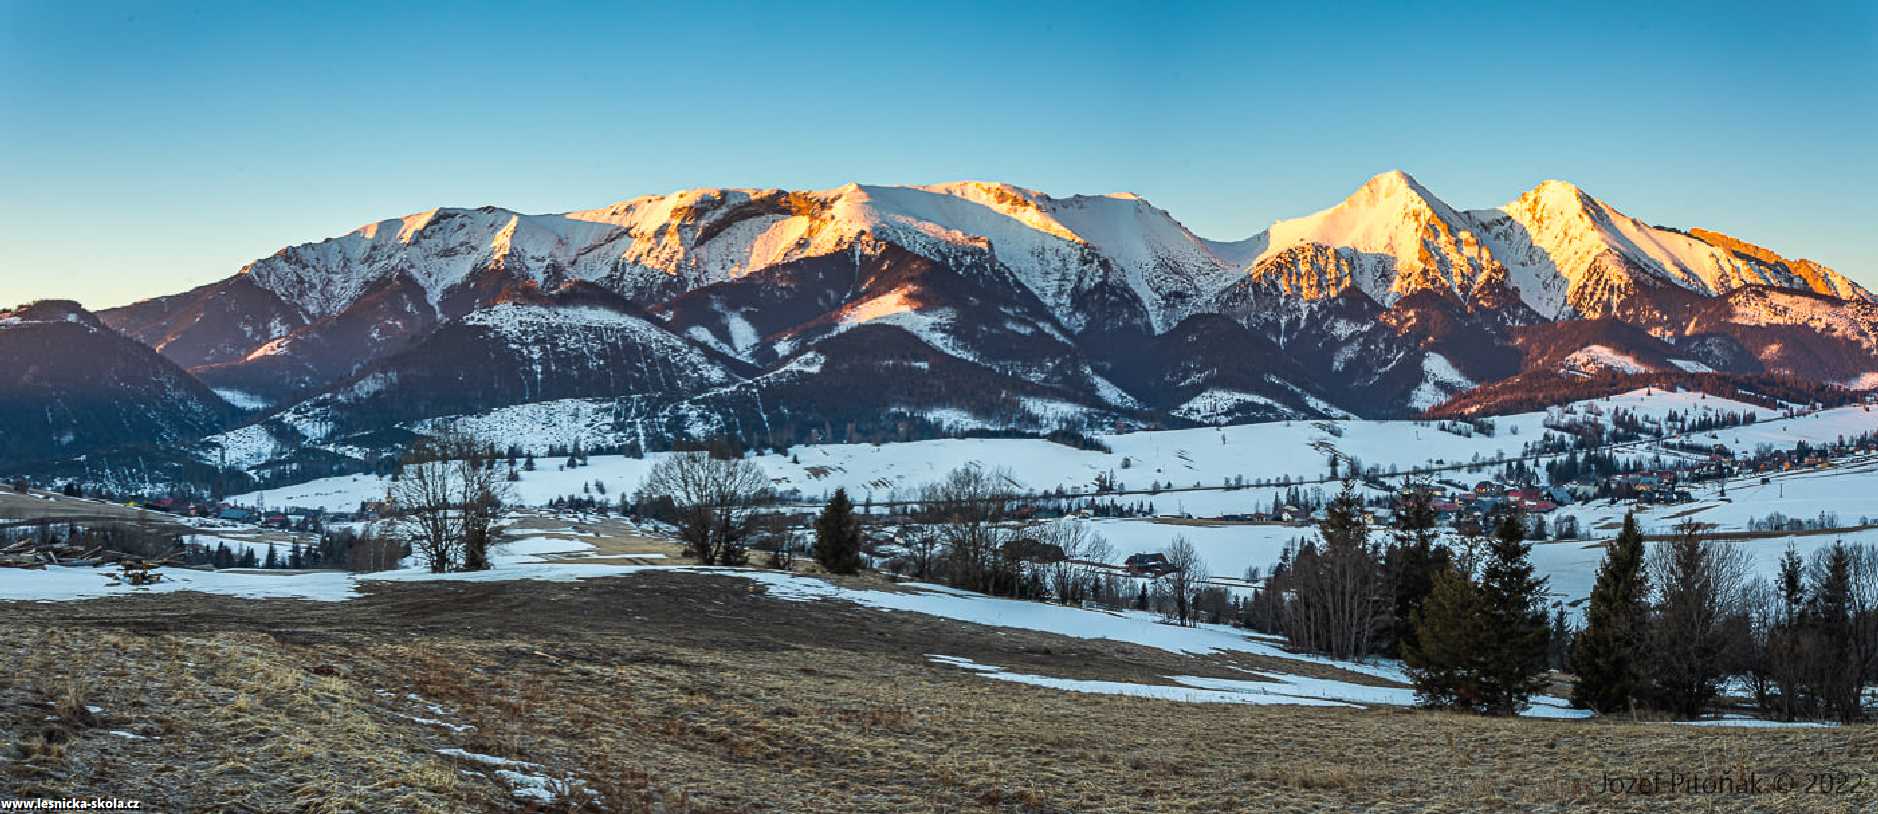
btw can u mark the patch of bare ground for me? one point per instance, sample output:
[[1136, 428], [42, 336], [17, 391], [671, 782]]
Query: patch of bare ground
[[685, 692], [614, 541]]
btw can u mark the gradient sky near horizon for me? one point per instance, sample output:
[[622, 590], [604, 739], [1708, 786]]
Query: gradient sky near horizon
[[146, 148]]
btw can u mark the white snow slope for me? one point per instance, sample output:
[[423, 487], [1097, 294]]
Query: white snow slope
[[1404, 238], [1299, 450]]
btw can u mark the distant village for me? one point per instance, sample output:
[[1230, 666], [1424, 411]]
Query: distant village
[[1573, 472]]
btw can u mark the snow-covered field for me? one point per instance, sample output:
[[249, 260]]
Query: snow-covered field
[[515, 560], [1849, 491], [1208, 457], [1299, 450]]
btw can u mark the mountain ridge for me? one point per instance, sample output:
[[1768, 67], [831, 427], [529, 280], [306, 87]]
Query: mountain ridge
[[1018, 309], [681, 234]]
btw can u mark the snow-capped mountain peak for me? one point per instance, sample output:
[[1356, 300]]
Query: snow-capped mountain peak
[[1390, 238], [1571, 253], [1563, 250], [652, 247], [718, 309]]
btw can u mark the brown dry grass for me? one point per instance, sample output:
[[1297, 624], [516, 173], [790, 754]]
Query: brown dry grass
[[686, 693], [614, 540]]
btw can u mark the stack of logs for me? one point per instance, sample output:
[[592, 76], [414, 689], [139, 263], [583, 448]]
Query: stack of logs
[[35, 554]]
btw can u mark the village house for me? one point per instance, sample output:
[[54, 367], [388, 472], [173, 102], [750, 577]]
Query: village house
[[236, 514]]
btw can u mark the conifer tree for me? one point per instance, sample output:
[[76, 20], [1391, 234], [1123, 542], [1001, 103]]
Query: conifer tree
[[1512, 665], [1558, 653], [1414, 561], [1338, 587], [1450, 633], [838, 536], [1607, 656], [1693, 641], [1836, 673]]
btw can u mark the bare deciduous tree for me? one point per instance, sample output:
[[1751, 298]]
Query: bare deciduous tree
[[446, 501], [714, 498], [966, 510], [1334, 594], [923, 547], [421, 498], [1186, 572], [1073, 578]]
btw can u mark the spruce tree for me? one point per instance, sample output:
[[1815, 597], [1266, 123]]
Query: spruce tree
[[1450, 633], [838, 536], [1512, 665], [1607, 656], [1413, 562], [1692, 640], [1345, 590], [1558, 655], [1837, 677]]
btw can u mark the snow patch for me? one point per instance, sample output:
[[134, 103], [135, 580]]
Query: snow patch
[[1220, 406], [1594, 358], [243, 400], [1440, 380]]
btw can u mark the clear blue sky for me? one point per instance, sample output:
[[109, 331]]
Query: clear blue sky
[[146, 148]]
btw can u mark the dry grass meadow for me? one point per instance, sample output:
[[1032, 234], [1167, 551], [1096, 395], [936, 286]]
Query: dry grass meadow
[[674, 692]]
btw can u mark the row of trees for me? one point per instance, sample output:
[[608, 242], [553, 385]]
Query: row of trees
[[962, 533], [1347, 594], [1470, 621], [1666, 629], [1663, 631], [1469, 624]]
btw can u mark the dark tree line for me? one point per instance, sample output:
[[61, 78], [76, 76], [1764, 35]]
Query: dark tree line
[[342, 550], [1522, 394], [1666, 630], [1475, 635]]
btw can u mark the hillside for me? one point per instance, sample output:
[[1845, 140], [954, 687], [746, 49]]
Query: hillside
[[70, 385]]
